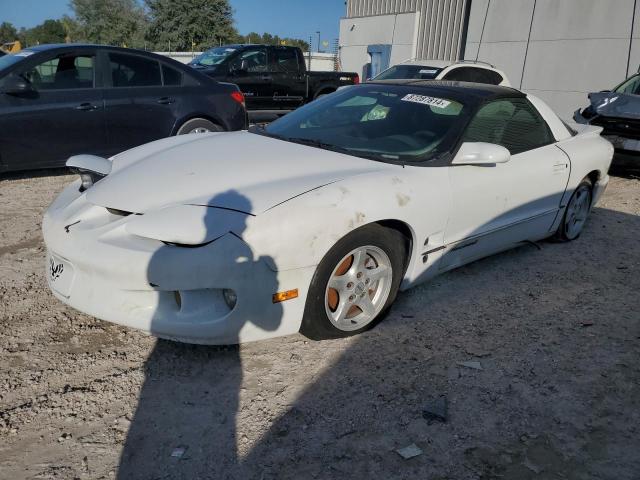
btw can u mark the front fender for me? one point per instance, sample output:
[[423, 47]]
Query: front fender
[[300, 232]]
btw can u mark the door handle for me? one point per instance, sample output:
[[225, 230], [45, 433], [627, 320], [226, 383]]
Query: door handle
[[165, 100], [86, 106]]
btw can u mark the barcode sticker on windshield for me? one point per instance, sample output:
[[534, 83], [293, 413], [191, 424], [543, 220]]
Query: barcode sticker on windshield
[[431, 101]]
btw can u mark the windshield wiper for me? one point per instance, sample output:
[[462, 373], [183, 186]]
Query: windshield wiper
[[317, 143]]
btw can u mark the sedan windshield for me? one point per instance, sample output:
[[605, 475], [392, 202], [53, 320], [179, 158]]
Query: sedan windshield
[[630, 86], [215, 56], [383, 122], [417, 72]]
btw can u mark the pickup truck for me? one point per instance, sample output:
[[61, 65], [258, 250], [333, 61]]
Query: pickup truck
[[272, 78]]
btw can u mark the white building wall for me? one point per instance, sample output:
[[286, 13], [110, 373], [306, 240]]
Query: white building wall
[[559, 50], [356, 34]]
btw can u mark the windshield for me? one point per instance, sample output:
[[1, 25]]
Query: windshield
[[215, 56], [12, 58], [418, 72], [383, 122], [630, 86]]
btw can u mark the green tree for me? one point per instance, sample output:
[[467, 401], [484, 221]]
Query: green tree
[[49, 31], [268, 39], [73, 30], [8, 32], [111, 22], [190, 24]]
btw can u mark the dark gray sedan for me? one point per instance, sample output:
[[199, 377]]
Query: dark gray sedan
[[62, 100]]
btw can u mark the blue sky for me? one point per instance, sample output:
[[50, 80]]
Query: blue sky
[[287, 18]]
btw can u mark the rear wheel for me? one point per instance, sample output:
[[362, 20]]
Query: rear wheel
[[198, 125], [355, 283], [576, 213]]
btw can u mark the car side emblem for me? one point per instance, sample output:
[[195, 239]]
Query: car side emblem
[[55, 269]]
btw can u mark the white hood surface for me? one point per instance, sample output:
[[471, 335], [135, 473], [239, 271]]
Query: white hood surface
[[240, 171]]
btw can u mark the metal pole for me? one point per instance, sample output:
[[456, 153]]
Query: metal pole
[[318, 41]]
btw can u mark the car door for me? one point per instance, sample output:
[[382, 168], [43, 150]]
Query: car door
[[289, 80], [62, 114], [138, 109], [250, 70], [495, 207]]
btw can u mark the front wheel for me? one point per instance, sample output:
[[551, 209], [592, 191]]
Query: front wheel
[[576, 213], [355, 283]]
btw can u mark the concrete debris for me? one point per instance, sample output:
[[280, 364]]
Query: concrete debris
[[409, 451], [178, 452], [470, 364]]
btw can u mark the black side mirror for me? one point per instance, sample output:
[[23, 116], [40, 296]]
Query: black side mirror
[[16, 85]]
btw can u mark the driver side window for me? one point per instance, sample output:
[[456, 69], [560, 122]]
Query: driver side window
[[252, 60], [62, 72], [513, 123]]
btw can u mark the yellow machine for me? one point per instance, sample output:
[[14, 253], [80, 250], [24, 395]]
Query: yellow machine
[[11, 47]]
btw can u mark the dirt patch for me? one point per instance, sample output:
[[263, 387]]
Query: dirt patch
[[555, 331]]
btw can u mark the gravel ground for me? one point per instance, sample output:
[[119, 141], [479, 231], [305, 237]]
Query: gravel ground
[[554, 333]]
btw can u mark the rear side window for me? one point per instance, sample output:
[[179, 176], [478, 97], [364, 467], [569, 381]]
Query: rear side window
[[487, 76], [172, 77], [285, 60], [475, 75], [513, 123], [134, 71]]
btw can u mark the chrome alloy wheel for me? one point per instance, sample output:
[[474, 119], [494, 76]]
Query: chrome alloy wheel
[[358, 288], [577, 211]]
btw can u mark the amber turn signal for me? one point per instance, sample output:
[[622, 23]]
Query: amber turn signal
[[284, 296]]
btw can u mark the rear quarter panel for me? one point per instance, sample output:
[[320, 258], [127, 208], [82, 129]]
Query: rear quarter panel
[[213, 102]]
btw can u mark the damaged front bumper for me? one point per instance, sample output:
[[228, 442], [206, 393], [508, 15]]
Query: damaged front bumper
[[169, 291]]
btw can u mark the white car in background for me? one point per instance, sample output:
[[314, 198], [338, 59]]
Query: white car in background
[[314, 222], [460, 71]]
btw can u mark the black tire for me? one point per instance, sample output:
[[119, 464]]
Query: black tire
[[583, 193], [316, 324], [198, 123]]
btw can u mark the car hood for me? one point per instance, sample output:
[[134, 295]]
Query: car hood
[[240, 171], [611, 104]]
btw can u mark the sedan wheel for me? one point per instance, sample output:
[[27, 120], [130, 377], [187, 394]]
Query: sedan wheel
[[355, 283], [576, 213], [198, 125]]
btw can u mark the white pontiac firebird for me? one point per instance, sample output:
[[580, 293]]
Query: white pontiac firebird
[[315, 222]]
